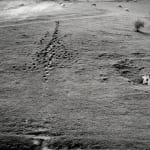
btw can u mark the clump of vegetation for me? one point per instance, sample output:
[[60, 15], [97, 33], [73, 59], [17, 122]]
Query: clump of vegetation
[[138, 25]]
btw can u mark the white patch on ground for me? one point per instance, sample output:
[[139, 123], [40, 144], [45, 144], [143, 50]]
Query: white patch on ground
[[23, 10]]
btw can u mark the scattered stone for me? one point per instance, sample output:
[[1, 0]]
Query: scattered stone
[[24, 68], [29, 67], [126, 9], [45, 79], [93, 4], [47, 73], [36, 142], [104, 79], [14, 67], [51, 46], [62, 5], [120, 6], [146, 79], [26, 121]]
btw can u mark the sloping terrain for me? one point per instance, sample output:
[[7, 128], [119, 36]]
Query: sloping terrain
[[71, 79]]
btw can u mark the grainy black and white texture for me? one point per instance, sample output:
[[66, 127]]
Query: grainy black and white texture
[[71, 75]]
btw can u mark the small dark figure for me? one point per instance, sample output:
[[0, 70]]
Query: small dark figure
[[93, 4]]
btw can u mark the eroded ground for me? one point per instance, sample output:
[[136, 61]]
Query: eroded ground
[[75, 76]]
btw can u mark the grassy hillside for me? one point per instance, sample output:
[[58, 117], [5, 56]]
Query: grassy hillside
[[71, 78]]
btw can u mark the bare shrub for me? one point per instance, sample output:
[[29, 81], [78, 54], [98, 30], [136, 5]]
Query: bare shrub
[[138, 24]]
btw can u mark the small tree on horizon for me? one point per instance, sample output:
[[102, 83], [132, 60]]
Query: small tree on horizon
[[138, 25]]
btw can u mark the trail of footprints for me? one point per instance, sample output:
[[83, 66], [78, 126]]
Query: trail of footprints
[[45, 59], [45, 56]]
